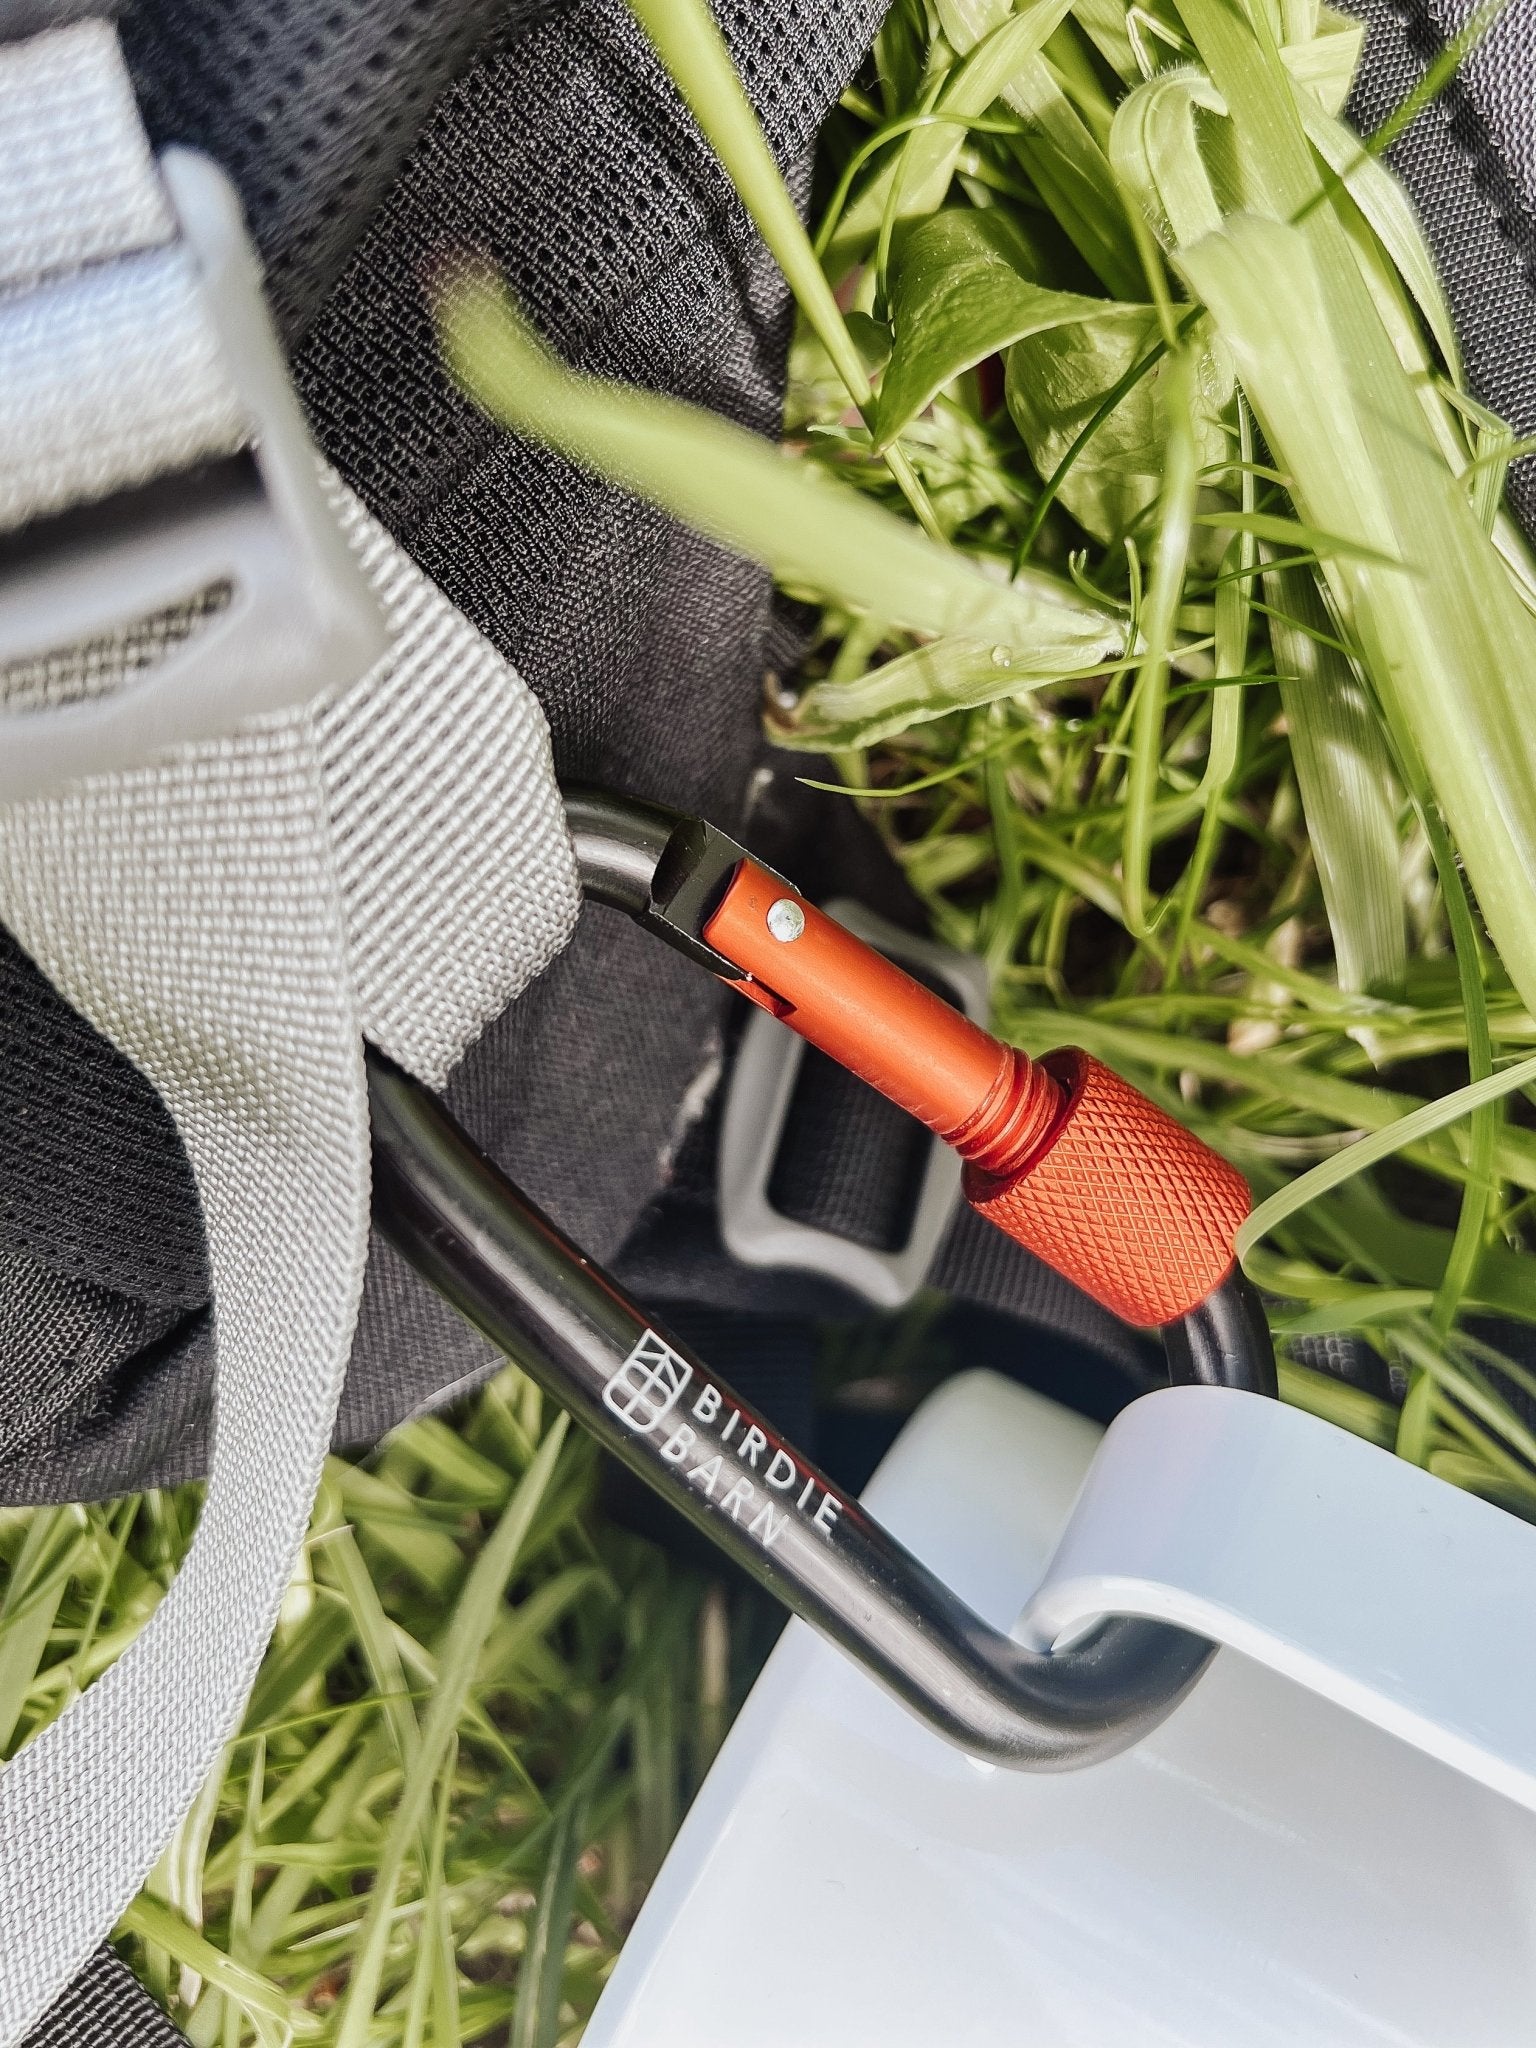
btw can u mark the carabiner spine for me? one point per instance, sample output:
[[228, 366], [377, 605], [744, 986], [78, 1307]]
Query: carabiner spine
[[486, 1248]]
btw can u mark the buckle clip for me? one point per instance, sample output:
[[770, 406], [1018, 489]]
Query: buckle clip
[[761, 1087], [300, 617]]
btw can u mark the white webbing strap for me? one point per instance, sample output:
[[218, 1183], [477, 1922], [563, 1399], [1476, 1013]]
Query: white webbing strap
[[390, 860]]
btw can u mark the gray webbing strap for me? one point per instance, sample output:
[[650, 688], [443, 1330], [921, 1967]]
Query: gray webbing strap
[[111, 369], [235, 914]]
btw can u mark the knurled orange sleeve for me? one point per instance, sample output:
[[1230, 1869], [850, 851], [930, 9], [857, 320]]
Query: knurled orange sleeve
[[1062, 1154], [1121, 1199]]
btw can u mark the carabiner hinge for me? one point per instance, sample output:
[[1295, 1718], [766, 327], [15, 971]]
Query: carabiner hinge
[[665, 869]]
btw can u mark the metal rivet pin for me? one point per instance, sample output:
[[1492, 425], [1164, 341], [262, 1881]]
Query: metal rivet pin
[[786, 920]]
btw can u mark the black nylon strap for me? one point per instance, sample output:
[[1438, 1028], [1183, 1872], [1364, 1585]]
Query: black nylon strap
[[849, 1162], [105, 2007]]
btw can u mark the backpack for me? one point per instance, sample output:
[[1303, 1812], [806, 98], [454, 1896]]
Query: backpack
[[363, 141]]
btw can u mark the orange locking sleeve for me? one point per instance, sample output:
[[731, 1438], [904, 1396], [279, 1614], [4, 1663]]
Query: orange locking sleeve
[[1061, 1153], [1121, 1198]]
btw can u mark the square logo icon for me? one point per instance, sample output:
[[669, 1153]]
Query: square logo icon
[[648, 1385]]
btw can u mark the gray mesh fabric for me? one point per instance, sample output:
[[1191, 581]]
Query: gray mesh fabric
[[447, 836], [187, 910], [62, 1335], [564, 152]]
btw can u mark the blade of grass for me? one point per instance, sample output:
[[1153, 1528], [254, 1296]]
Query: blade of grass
[[536, 2016], [1344, 772], [1063, 157], [1483, 1125], [180, 1876], [1234, 625], [463, 1641], [727, 483], [1345, 1406], [1438, 74], [342, 1561], [913, 184], [437, 1942], [1389, 212], [956, 673], [53, 1542], [1382, 1144], [690, 45], [1176, 513], [270, 2014]]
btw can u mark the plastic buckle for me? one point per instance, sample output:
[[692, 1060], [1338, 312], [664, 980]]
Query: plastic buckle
[[761, 1086], [300, 617]]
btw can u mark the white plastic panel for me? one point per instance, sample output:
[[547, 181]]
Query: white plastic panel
[[1330, 1560], [1267, 1871]]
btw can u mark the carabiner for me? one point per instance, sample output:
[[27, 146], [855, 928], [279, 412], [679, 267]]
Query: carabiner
[[659, 1409]]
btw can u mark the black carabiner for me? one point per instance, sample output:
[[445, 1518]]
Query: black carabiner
[[485, 1247]]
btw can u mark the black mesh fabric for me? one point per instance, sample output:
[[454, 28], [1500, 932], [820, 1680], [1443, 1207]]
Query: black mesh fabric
[[103, 1272], [312, 106], [1469, 161], [105, 2007], [93, 1178], [563, 156]]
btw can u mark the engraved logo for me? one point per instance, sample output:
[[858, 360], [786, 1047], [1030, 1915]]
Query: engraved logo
[[648, 1385]]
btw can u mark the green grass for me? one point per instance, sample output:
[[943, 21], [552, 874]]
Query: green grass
[[467, 1752]]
